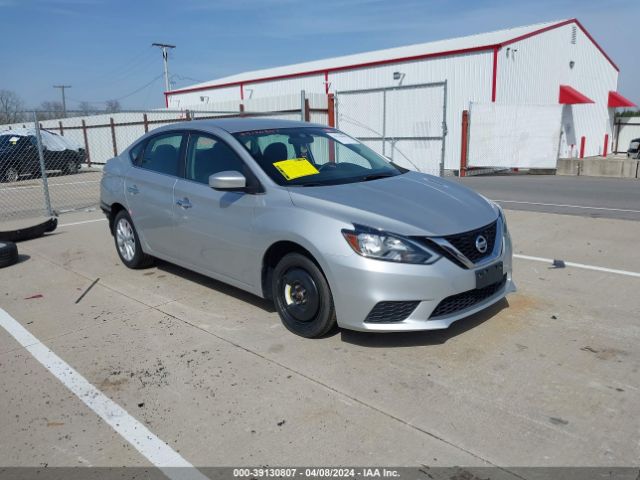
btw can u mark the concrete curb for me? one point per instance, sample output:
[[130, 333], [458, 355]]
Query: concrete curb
[[599, 167]]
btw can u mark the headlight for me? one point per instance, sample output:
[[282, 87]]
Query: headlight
[[381, 245]]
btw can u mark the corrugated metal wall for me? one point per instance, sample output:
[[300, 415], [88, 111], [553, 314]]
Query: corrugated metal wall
[[530, 72], [203, 98], [468, 79], [468, 75]]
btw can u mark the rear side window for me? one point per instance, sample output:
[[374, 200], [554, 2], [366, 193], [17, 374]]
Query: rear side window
[[162, 154], [136, 153]]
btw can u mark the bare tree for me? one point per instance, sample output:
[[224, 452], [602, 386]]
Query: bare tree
[[112, 106], [11, 107], [50, 110], [85, 108]]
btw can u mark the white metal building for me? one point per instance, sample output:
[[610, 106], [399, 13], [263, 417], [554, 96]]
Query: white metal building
[[547, 88]]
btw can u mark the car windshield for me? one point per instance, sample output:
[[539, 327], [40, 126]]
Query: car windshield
[[312, 156], [8, 140]]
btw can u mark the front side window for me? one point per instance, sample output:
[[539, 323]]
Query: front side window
[[310, 156], [162, 154], [207, 155]]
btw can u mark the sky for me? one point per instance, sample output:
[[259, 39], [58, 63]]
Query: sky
[[103, 48]]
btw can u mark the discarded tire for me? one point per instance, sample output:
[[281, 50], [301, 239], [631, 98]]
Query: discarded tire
[[8, 254]]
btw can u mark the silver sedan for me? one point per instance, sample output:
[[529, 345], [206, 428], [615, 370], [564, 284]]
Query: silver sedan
[[311, 218]]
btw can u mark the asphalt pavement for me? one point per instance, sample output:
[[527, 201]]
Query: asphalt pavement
[[597, 197]]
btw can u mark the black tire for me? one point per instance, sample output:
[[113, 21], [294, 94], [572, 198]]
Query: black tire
[[128, 243], [302, 296], [10, 175], [72, 166], [8, 253]]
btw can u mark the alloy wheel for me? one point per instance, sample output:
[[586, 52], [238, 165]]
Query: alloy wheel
[[125, 239]]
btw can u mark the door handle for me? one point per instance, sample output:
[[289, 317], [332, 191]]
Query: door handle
[[184, 203], [133, 190]]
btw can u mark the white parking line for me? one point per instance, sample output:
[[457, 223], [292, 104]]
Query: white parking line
[[139, 436], [579, 265], [567, 206], [82, 222]]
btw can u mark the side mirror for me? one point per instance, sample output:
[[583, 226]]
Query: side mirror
[[229, 180]]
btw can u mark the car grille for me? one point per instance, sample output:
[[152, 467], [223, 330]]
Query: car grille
[[466, 242], [391, 311], [464, 300]]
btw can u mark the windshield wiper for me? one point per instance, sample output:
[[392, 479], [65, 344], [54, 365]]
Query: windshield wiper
[[376, 176], [312, 184]]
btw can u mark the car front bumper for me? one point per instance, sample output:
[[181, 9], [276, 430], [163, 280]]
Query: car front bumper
[[358, 284]]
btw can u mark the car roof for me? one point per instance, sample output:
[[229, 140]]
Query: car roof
[[235, 125]]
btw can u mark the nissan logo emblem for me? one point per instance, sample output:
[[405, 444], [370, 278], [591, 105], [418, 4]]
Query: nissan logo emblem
[[481, 244]]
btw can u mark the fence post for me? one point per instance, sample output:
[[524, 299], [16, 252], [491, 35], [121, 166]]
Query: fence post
[[616, 126], [145, 120], [303, 97], [307, 110], [113, 137], [606, 144], [583, 140], [464, 144], [45, 182], [187, 115], [61, 127], [86, 142], [331, 113]]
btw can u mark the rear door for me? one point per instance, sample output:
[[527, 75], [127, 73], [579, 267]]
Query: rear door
[[214, 228], [149, 191]]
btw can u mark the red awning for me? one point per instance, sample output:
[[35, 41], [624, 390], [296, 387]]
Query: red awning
[[569, 96], [617, 100]]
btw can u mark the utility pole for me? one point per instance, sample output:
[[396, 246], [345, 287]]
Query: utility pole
[[64, 102], [165, 62]]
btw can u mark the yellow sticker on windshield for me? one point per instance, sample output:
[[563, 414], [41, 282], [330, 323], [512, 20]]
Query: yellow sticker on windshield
[[296, 168]]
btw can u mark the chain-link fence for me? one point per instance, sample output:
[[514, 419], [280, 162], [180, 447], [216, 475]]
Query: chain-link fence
[[50, 167]]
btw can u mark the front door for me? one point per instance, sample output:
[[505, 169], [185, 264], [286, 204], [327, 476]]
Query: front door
[[214, 228]]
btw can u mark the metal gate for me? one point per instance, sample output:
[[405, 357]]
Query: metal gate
[[405, 123]]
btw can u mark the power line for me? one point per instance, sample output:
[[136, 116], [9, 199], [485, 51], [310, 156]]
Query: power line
[[123, 96]]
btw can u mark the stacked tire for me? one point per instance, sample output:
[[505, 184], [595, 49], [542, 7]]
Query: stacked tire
[[8, 253]]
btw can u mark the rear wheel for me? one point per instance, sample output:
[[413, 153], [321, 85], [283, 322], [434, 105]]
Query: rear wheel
[[127, 242], [11, 174], [302, 296]]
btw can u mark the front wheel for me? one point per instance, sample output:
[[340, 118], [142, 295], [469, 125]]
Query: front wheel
[[128, 243], [71, 167], [302, 297]]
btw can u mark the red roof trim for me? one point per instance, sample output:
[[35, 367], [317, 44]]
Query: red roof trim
[[584, 30], [400, 60], [616, 100], [570, 96], [322, 71]]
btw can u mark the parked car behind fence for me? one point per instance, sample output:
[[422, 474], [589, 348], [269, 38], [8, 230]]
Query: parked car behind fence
[[19, 154]]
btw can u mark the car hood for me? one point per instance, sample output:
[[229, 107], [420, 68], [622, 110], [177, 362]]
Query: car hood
[[408, 204]]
